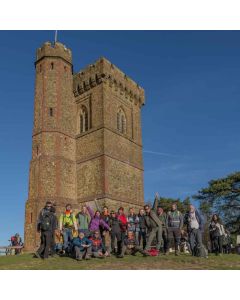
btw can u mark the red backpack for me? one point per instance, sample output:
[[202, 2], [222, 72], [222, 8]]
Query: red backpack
[[153, 252]]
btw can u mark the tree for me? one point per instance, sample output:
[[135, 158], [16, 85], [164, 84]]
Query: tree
[[222, 196]]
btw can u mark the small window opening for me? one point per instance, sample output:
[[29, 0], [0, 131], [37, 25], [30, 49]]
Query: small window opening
[[31, 218], [52, 65], [51, 112]]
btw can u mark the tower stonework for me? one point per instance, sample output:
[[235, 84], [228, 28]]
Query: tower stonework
[[87, 137]]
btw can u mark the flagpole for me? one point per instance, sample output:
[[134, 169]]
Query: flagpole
[[55, 38]]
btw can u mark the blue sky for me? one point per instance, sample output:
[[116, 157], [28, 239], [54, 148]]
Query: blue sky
[[190, 120]]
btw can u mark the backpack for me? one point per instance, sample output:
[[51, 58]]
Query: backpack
[[46, 222], [201, 251], [153, 252]]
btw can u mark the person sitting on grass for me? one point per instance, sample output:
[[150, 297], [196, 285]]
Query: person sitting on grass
[[130, 246], [81, 247], [98, 248]]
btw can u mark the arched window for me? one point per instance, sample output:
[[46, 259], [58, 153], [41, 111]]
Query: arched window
[[83, 119], [121, 121]]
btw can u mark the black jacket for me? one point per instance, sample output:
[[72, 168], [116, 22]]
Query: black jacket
[[114, 223], [54, 221]]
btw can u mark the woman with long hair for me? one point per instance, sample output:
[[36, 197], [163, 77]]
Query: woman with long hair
[[216, 231]]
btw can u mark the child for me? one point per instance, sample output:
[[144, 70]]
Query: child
[[130, 246], [98, 248], [58, 242], [81, 247]]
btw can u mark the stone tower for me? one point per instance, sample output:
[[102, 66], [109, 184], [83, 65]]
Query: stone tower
[[86, 140]]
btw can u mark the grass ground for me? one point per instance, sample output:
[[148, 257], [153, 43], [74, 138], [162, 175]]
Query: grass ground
[[183, 262]]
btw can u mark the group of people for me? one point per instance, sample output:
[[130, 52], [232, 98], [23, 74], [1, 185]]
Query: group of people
[[103, 233]]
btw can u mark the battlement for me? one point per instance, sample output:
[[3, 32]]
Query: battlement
[[104, 71], [54, 50]]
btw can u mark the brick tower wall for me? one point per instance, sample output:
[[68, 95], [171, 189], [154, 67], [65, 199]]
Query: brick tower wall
[[53, 166]]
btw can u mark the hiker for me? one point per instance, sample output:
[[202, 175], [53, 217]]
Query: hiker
[[123, 223], [67, 223], [47, 224], [162, 216], [194, 224], [83, 219], [81, 246], [53, 242], [16, 240], [96, 221], [130, 246], [175, 224], [98, 248], [154, 228], [105, 233], [216, 231], [227, 241], [115, 233], [133, 221], [141, 228]]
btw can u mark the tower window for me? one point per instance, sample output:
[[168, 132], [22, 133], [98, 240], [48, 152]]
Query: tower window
[[84, 119], [65, 68], [121, 121], [37, 151], [40, 68], [51, 112], [52, 65], [31, 218]]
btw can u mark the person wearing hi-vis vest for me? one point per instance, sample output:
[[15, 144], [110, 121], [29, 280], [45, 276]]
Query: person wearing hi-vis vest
[[67, 223]]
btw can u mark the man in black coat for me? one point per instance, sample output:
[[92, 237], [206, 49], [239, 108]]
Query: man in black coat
[[47, 224]]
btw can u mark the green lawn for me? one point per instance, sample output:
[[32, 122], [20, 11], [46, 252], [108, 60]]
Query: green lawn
[[182, 262]]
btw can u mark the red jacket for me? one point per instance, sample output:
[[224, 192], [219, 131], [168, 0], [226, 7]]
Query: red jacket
[[123, 222]]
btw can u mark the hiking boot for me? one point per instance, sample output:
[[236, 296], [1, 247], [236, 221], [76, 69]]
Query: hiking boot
[[79, 258], [120, 256], [37, 255], [166, 253], [177, 253], [87, 257], [145, 254]]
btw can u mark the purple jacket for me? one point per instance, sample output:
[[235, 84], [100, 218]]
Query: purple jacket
[[96, 222]]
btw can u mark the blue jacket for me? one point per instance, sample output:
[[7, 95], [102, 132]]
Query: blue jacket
[[187, 220], [77, 242]]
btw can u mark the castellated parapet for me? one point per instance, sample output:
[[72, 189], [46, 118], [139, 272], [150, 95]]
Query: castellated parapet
[[54, 50], [104, 71], [87, 137]]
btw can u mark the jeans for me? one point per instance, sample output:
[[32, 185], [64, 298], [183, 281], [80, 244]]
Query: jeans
[[79, 254], [142, 238], [46, 240], [67, 237], [116, 236], [195, 240], [155, 232], [131, 251], [217, 244], [165, 240], [174, 234]]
